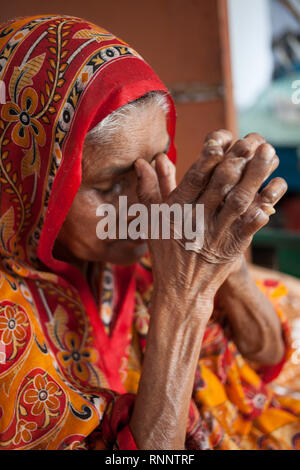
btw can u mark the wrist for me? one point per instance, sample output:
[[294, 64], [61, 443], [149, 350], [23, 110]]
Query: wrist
[[192, 287], [238, 281], [171, 302], [172, 352]]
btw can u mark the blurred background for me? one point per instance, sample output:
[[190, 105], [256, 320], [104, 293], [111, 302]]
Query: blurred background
[[229, 64], [266, 77]]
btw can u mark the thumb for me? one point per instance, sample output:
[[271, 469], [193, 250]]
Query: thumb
[[147, 188]]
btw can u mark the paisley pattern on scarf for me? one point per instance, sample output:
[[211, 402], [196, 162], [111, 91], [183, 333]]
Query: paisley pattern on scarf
[[233, 404], [59, 369], [69, 368]]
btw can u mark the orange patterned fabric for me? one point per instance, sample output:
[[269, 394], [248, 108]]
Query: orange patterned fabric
[[59, 369], [69, 369], [233, 404]]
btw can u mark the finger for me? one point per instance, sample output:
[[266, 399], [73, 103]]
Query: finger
[[250, 222], [262, 207], [254, 139], [166, 173], [147, 188], [196, 178], [242, 195], [216, 142], [271, 194], [221, 138], [246, 147], [224, 178], [228, 173]]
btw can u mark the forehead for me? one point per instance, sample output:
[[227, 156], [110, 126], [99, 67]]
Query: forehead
[[143, 135]]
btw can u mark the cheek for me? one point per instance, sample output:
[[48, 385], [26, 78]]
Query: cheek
[[125, 187], [80, 224], [82, 219], [84, 208]]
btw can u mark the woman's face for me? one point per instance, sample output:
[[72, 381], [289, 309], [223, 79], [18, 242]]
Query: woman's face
[[107, 173]]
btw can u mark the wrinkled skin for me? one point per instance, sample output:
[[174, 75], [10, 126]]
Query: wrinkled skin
[[226, 179], [234, 210], [101, 184]]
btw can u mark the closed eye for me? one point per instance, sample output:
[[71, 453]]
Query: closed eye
[[116, 188]]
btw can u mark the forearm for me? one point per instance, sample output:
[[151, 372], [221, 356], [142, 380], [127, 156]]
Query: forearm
[[255, 325], [234, 211], [161, 410]]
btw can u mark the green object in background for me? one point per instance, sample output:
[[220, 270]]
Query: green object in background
[[286, 245], [274, 115], [289, 261], [277, 118]]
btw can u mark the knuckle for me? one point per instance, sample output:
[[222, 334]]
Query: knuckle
[[257, 218], [213, 151], [268, 195], [254, 135], [194, 176], [276, 189], [181, 195], [220, 135], [214, 135], [238, 201], [234, 165], [241, 147], [227, 172], [266, 152], [222, 174]]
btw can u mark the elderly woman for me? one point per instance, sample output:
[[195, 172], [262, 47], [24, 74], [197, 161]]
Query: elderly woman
[[85, 121]]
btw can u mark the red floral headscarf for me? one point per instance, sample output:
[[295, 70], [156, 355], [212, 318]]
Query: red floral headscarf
[[59, 370]]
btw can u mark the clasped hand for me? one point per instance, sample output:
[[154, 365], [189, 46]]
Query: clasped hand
[[226, 179]]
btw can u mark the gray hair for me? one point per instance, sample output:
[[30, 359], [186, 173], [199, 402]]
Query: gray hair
[[104, 132]]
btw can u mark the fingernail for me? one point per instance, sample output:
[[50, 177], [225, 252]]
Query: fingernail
[[268, 208], [212, 143]]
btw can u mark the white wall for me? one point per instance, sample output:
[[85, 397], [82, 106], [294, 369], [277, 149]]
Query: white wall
[[282, 19], [250, 37]]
